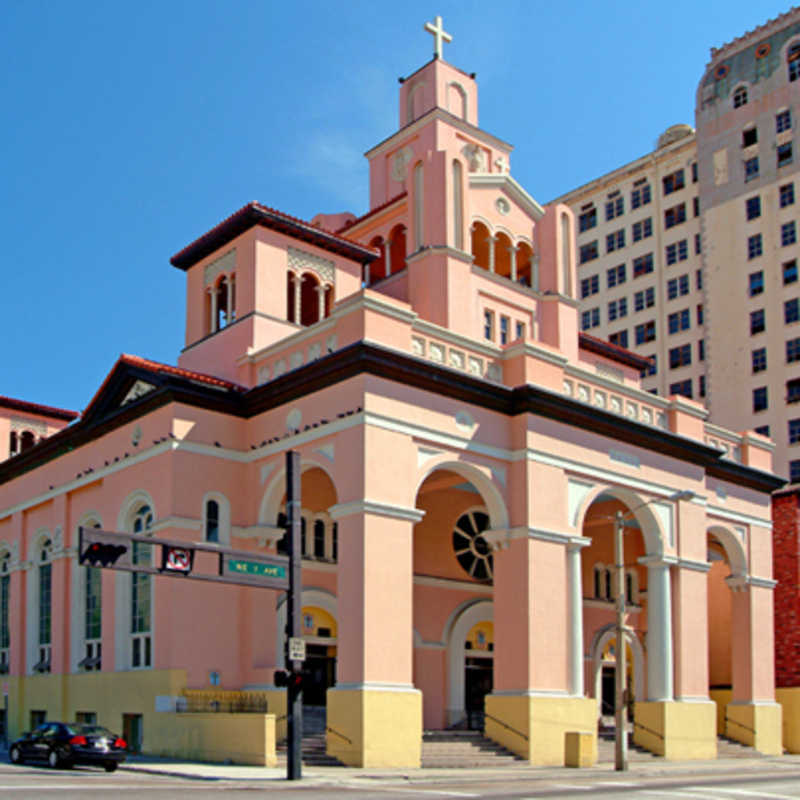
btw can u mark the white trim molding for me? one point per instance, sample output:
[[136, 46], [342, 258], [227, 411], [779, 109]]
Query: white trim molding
[[378, 509]]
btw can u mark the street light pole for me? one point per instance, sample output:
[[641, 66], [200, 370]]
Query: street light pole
[[620, 737]]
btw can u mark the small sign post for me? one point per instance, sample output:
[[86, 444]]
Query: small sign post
[[297, 649]]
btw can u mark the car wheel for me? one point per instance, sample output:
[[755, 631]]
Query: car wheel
[[53, 760], [14, 755], [110, 766]]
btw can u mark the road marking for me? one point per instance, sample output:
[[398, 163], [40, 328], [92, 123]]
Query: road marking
[[52, 787], [677, 793], [759, 794], [583, 788], [617, 783], [403, 790]]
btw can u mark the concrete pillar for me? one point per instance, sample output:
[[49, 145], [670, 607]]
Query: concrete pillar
[[375, 640], [659, 632], [387, 258], [491, 242], [575, 619], [512, 252], [297, 285]]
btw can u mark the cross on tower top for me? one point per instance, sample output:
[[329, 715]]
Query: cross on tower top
[[436, 29]]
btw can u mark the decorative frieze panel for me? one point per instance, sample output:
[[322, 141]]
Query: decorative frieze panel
[[301, 261], [19, 424], [602, 399], [226, 263]]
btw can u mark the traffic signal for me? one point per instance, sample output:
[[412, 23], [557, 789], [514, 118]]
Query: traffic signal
[[100, 554], [292, 680]]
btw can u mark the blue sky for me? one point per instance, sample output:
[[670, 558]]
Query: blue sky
[[130, 129]]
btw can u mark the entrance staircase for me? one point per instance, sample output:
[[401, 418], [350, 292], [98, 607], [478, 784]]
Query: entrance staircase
[[464, 749], [313, 746]]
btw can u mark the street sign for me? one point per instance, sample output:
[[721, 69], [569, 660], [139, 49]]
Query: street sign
[[177, 559], [297, 649], [257, 571]]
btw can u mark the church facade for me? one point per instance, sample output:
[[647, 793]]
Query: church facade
[[465, 450]]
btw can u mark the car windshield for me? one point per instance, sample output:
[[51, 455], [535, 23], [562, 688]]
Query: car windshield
[[90, 730]]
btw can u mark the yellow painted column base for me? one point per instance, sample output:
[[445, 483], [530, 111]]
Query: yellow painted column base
[[679, 731], [757, 725], [375, 727], [536, 727], [721, 697], [789, 699]]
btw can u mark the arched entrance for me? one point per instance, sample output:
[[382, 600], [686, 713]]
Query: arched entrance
[[453, 590]]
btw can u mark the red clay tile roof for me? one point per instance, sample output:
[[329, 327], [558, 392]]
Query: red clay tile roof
[[613, 351], [157, 366], [256, 214], [35, 408], [369, 213]]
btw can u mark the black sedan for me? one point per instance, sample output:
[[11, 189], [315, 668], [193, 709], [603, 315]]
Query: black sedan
[[62, 744]]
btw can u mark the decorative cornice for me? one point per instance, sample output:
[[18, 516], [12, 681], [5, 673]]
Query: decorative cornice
[[341, 510], [504, 182], [499, 538]]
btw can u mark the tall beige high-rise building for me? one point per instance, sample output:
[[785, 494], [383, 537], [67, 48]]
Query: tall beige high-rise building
[[689, 254]]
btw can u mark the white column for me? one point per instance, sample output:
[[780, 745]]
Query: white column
[[231, 298], [575, 618], [321, 302], [490, 241], [512, 253], [297, 284], [387, 258], [659, 631], [213, 326]]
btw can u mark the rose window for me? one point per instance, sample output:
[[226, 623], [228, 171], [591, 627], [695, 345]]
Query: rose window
[[471, 549]]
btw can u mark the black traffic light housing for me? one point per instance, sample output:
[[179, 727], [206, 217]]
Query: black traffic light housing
[[103, 554], [293, 680]]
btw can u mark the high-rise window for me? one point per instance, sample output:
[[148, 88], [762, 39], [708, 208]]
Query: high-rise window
[[619, 338], [679, 321], [590, 286], [751, 168], [792, 350], [680, 356], [615, 276], [749, 137], [784, 154], [791, 311], [644, 299], [789, 272], [673, 182], [752, 207], [587, 220], [642, 265], [740, 97], [646, 332], [617, 308], [794, 464], [675, 215], [755, 283], [615, 207], [642, 229], [615, 240], [786, 193], [683, 388], [590, 319], [757, 321], [640, 196], [793, 57], [759, 359], [793, 390], [760, 399], [588, 252], [754, 246], [794, 431], [788, 233], [783, 121]]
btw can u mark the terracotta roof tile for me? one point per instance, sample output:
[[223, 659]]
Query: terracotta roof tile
[[372, 211], [36, 408]]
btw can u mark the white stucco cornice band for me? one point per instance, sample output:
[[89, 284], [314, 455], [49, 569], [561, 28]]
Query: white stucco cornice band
[[184, 523], [504, 182], [499, 538], [739, 583], [737, 516], [375, 686], [341, 510]]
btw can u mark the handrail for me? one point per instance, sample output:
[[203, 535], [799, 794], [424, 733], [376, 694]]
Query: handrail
[[281, 718], [508, 727], [740, 724], [648, 730], [336, 733]]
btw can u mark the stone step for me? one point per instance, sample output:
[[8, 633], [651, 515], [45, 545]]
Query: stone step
[[463, 749]]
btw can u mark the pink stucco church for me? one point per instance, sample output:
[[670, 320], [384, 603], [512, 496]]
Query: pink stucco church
[[464, 451]]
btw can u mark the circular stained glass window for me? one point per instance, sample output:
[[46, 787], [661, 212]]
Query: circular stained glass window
[[762, 51], [722, 71], [473, 552]]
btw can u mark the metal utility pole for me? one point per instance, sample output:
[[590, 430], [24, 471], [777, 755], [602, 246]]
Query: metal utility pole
[[294, 699], [620, 738]]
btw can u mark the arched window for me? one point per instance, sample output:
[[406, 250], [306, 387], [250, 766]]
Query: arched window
[[310, 301], [5, 631], [599, 583], [629, 588], [45, 606], [212, 521], [740, 97], [141, 594], [335, 542], [397, 257], [319, 539], [13, 443], [377, 268], [609, 586], [27, 440], [793, 59]]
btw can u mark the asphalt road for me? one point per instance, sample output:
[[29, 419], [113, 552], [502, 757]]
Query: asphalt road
[[22, 783]]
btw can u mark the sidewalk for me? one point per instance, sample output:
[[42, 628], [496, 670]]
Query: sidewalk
[[730, 767]]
